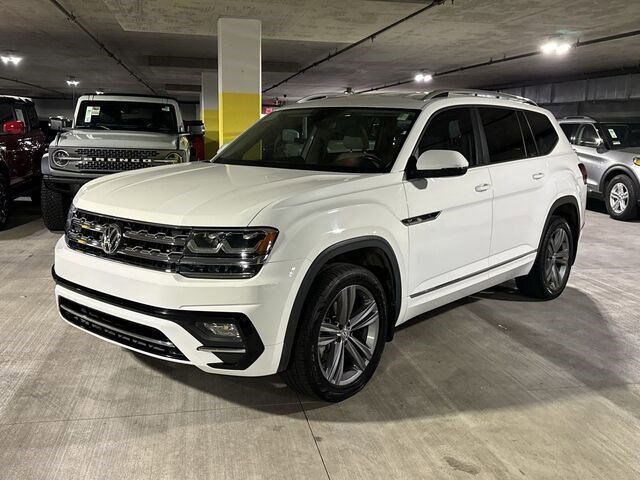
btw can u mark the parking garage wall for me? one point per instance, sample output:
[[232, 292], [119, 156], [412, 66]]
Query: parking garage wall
[[611, 97]]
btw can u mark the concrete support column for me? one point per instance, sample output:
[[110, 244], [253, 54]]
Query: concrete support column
[[239, 75], [209, 113]]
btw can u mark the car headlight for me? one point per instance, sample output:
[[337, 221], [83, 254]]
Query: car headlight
[[173, 157], [60, 158], [637, 161], [227, 253]]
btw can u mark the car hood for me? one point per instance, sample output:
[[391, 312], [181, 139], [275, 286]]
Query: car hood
[[631, 150], [198, 194], [114, 138]]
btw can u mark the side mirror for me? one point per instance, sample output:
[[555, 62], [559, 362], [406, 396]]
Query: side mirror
[[57, 124], [439, 163], [14, 127], [194, 127]]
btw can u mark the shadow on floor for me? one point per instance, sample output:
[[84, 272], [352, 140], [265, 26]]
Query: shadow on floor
[[24, 220], [490, 351]]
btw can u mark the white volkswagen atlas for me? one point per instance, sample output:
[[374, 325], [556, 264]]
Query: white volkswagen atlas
[[305, 241]]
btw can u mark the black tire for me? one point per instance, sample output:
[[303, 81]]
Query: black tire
[[541, 283], [630, 211], [54, 208], [305, 373], [5, 201]]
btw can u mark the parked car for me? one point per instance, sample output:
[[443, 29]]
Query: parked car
[[307, 239], [110, 133], [610, 150], [22, 144]]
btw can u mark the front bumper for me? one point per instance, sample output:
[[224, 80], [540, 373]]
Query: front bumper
[[155, 313], [67, 184]]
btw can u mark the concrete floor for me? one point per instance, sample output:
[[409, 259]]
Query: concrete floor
[[495, 386]]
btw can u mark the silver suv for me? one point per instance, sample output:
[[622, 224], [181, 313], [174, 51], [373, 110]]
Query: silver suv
[[610, 150]]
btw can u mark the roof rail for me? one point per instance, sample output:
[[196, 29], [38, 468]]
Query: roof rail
[[477, 93], [578, 117], [319, 96]]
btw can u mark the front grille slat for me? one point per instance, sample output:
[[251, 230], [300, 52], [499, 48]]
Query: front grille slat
[[157, 247], [114, 159], [124, 332]]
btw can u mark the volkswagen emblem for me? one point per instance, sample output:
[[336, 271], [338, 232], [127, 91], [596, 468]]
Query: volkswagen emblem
[[111, 236]]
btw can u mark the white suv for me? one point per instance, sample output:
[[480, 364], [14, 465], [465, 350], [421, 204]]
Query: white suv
[[306, 240]]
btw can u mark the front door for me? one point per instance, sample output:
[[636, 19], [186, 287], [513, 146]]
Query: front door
[[449, 220], [587, 141]]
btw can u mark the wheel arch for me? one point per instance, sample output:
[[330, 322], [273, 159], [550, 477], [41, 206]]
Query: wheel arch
[[568, 208], [618, 170], [375, 249]]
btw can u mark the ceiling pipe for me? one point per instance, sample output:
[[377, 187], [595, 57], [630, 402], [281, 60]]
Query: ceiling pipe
[[71, 17], [511, 58], [340, 51]]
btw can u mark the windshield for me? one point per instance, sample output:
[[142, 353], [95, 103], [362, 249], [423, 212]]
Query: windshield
[[622, 135], [126, 115], [362, 140]]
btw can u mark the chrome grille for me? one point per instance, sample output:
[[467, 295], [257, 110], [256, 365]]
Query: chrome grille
[[157, 247]]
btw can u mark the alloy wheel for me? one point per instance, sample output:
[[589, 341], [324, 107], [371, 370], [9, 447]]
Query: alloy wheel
[[619, 198], [348, 335], [557, 259]]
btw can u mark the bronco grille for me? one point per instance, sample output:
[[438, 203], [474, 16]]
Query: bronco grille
[[113, 159], [157, 247]]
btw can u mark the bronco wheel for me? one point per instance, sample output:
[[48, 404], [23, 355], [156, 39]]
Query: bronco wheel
[[341, 334], [550, 272], [4, 201], [54, 208], [621, 198]]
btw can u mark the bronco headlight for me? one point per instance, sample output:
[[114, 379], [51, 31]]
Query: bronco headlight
[[227, 253], [173, 157], [60, 158]]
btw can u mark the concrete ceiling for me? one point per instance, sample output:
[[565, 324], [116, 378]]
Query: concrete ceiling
[[167, 43]]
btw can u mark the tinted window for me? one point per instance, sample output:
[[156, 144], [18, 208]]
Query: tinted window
[[570, 130], [588, 137], [323, 138], [622, 135], [544, 132], [33, 117], [6, 114], [529, 141], [20, 115], [502, 130], [450, 129]]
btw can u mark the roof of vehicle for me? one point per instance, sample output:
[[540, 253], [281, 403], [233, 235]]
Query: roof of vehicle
[[14, 99], [576, 119], [414, 101], [122, 96], [613, 119]]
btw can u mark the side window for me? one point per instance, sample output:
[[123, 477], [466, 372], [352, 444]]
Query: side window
[[6, 114], [570, 130], [543, 131], [588, 137], [20, 115], [502, 130], [529, 140], [450, 129], [34, 121]]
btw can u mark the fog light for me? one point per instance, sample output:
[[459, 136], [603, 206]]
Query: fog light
[[226, 332]]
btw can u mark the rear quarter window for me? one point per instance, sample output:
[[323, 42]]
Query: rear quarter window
[[543, 131], [570, 130]]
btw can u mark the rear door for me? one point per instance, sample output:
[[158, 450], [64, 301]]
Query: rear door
[[9, 144], [449, 222], [519, 175]]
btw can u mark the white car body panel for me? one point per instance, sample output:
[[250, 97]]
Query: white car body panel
[[480, 238]]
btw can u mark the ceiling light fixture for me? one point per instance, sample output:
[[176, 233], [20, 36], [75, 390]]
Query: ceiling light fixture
[[99, 92], [423, 77], [556, 46], [6, 59], [73, 83]]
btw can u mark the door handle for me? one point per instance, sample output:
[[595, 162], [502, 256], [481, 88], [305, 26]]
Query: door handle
[[538, 176], [483, 187]]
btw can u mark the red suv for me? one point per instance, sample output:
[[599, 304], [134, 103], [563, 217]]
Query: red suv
[[22, 144]]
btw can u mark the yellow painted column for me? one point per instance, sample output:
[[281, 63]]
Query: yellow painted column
[[209, 113], [239, 75]]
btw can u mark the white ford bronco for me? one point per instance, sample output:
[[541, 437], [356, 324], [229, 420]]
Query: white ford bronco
[[306, 240], [110, 133]]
